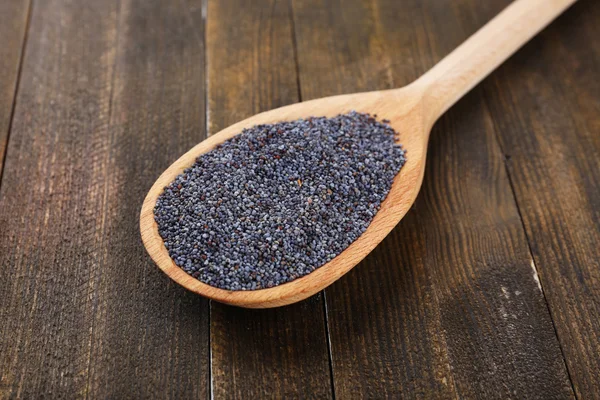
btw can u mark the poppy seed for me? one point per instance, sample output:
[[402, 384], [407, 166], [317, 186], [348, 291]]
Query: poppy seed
[[248, 228]]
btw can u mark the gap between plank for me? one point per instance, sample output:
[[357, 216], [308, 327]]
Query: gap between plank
[[16, 89], [328, 339], [325, 309], [295, 47], [204, 13]]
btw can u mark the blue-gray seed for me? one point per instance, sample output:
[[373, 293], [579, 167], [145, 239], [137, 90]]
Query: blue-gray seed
[[278, 201]]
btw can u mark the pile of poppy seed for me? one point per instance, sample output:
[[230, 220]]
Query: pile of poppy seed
[[278, 201]]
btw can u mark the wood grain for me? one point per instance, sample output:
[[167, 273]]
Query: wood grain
[[546, 109], [447, 305], [110, 93], [12, 31], [274, 353]]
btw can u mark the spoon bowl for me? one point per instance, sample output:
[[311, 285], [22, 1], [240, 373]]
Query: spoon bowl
[[411, 110], [398, 106]]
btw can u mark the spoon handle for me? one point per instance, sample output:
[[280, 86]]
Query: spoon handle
[[479, 55]]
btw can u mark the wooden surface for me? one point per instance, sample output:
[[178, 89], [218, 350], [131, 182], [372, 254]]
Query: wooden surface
[[447, 306], [110, 93]]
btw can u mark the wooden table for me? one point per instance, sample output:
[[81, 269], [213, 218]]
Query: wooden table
[[489, 288]]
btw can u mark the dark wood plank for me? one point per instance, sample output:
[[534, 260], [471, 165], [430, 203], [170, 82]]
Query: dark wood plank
[[111, 93], [274, 353], [12, 33], [546, 108], [447, 305]]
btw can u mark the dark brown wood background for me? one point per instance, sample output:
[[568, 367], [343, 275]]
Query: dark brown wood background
[[489, 287]]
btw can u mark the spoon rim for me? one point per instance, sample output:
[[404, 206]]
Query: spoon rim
[[391, 211]]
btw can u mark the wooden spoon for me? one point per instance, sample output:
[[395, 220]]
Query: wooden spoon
[[412, 111]]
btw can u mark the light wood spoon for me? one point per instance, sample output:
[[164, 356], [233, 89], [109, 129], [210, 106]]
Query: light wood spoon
[[412, 111]]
